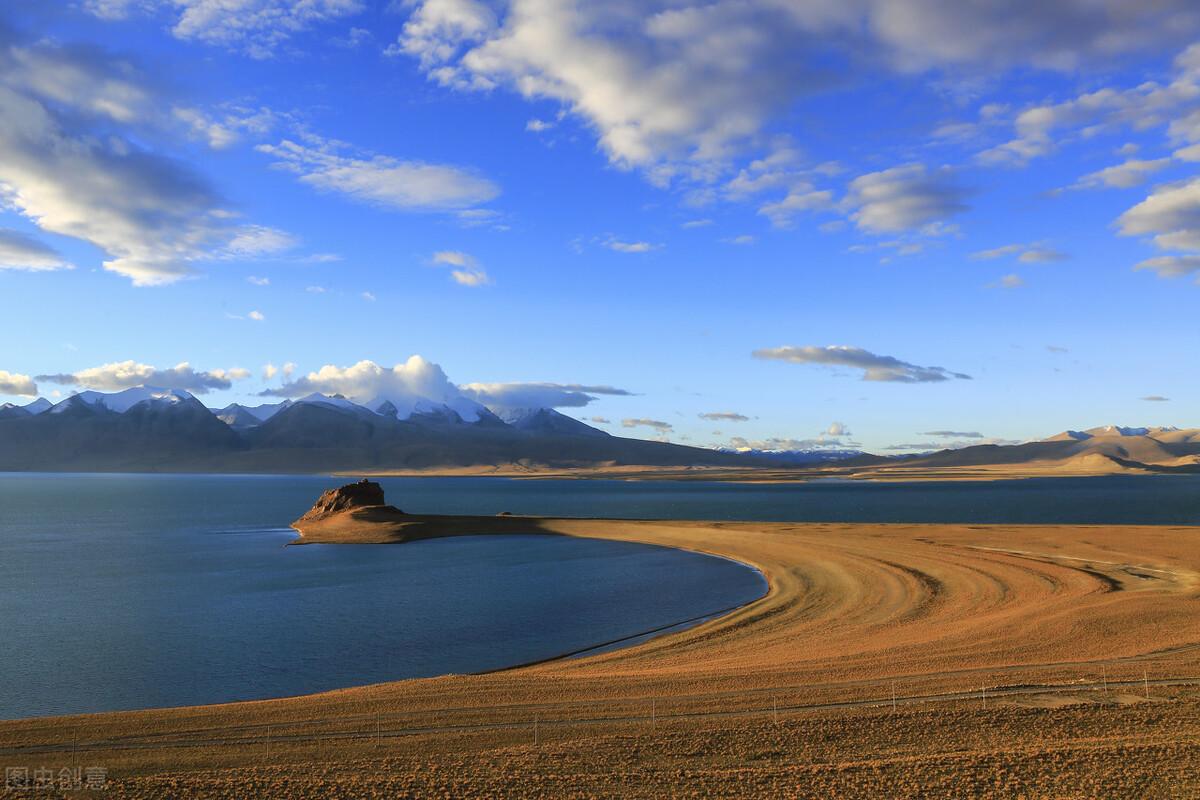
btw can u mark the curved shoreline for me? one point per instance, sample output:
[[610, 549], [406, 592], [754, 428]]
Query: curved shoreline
[[850, 611]]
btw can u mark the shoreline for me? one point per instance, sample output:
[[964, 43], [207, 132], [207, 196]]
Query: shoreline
[[852, 613], [633, 474]]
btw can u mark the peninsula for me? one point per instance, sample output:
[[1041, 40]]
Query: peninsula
[[884, 660]]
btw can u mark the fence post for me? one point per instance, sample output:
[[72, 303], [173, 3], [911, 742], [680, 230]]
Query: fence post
[[535, 730], [893, 697], [774, 710], [268, 742], [1146, 683]]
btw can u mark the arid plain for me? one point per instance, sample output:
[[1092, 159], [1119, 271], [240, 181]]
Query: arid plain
[[885, 660]]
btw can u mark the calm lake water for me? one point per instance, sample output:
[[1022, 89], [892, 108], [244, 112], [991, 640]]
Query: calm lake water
[[132, 591]]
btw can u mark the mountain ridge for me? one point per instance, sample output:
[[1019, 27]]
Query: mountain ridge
[[149, 429]]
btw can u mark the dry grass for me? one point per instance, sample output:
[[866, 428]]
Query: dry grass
[[935, 609]]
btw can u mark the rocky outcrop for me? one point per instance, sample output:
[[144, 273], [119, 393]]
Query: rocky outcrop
[[364, 494]]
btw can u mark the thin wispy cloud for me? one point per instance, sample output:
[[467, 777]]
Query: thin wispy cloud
[[873, 367]]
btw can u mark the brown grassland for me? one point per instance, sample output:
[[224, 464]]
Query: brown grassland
[[884, 661]]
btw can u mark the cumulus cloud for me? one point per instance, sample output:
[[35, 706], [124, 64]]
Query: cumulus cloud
[[255, 280], [257, 28], [874, 367], [465, 269], [1172, 266], [906, 198], [127, 374], [837, 429], [1151, 103], [640, 422], [379, 180], [151, 215], [76, 160], [21, 251], [798, 200], [1171, 216], [418, 377], [538, 395], [1125, 175], [16, 383], [366, 380], [675, 89], [729, 416]]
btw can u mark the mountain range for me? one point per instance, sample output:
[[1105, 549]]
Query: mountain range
[[149, 429], [1104, 450]]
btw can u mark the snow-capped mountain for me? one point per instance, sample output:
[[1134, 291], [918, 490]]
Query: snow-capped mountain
[[122, 401], [546, 420], [408, 406], [163, 429], [38, 406]]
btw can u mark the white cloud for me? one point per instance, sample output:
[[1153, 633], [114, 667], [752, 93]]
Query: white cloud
[[465, 270], [1122, 176], [23, 252], [641, 422], [257, 316], [16, 383], [1170, 213], [629, 247], [367, 380], [798, 200], [1039, 129], [677, 89], [905, 198], [269, 371], [837, 429], [1035, 253], [1172, 266], [382, 181], [779, 444], [874, 367], [257, 28], [537, 395], [127, 374], [255, 241], [257, 281], [724, 416], [696, 223], [369, 297], [75, 159], [1008, 282], [147, 213]]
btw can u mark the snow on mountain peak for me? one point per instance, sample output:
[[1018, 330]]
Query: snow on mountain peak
[[122, 401]]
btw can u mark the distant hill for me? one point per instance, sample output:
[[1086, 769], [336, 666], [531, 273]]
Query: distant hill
[[146, 429], [1105, 450]]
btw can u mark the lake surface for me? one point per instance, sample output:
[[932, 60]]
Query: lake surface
[[120, 592], [133, 591]]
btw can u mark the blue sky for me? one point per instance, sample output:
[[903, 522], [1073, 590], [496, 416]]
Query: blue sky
[[885, 224]]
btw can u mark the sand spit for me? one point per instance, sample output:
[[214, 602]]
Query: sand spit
[[885, 660]]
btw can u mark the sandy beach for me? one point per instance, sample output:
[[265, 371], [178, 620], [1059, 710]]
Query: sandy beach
[[1077, 647]]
